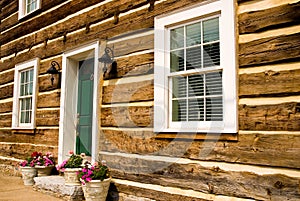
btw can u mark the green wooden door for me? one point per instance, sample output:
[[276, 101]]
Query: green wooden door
[[85, 107]]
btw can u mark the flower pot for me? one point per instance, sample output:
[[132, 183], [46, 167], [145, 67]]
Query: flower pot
[[71, 176], [28, 173], [43, 170], [96, 190]]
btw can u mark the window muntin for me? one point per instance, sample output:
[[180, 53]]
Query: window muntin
[[196, 93], [25, 96], [31, 5]]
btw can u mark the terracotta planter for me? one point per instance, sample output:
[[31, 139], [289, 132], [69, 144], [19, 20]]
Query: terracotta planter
[[28, 173], [96, 190], [71, 177], [43, 170]]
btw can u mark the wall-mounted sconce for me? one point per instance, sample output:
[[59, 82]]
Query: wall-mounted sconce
[[52, 70], [107, 60]]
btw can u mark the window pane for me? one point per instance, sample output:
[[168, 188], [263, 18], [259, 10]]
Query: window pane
[[196, 85], [193, 58], [213, 83], [214, 109], [177, 61], [211, 55], [179, 87], [179, 109], [211, 30], [196, 110], [177, 38], [193, 34]]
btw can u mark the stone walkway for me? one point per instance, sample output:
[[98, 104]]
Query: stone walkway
[[12, 189]]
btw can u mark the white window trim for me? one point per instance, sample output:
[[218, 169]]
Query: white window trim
[[22, 8], [16, 107], [228, 60]]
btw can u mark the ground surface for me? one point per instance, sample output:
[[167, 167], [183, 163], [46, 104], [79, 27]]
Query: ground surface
[[13, 189]]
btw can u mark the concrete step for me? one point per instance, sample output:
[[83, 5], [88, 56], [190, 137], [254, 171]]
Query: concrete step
[[55, 186]]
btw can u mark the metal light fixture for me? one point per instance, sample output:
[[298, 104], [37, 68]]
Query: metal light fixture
[[52, 70], [107, 58]]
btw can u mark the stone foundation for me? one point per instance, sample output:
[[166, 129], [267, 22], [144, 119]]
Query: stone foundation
[[55, 186]]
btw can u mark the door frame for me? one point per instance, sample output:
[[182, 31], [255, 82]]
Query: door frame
[[68, 99]]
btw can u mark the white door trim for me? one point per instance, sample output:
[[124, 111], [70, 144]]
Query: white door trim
[[68, 99]]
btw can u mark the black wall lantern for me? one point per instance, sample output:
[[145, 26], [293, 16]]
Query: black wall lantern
[[107, 60], [52, 70]]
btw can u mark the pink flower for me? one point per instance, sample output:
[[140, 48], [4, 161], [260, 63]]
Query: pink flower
[[71, 152]]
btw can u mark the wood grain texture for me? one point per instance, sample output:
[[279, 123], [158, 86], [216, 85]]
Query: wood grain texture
[[256, 21], [208, 180], [41, 136], [270, 50], [7, 77], [3, 3], [8, 9], [5, 120], [47, 118], [6, 92], [132, 116], [48, 100], [269, 83], [46, 85], [132, 92], [6, 107], [281, 117]]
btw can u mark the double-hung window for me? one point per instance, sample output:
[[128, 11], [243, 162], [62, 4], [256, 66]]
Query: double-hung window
[[28, 6], [25, 87], [195, 70]]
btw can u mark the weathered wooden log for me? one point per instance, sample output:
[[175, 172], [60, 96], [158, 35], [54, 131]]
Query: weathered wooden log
[[6, 92], [22, 151], [45, 64], [7, 9], [48, 100], [47, 118], [254, 149], [39, 136], [269, 83], [131, 116], [280, 117], [7, 77], [6, 107], [135, 65], [46, 85], [9, 21], [136, 91], [133, 45], [204, 179], [5, 120], [256, 21], [5, 2], [270, 50]]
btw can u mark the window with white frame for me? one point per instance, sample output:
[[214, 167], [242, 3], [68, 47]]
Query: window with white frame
[[25, 90], [195, 70], [28, 6]]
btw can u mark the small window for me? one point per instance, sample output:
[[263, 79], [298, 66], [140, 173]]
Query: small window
[[28, 6], [195, 70], [24, 104]]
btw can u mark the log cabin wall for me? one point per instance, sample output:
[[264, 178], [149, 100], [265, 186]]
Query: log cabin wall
[[260, 163]]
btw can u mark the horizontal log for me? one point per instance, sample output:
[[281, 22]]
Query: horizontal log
[[5, 2], [256, 21], [46, 64], [270, 50], [133, 45], [132, 116], [212, 180], [47, 118], [136, 91], [7, 77], [40, 136], [48, 100], [22, 151], [6, 107], [253, 149], [45, 83], [269, 83], [281, 117], [123, 191], [80, 21], [10, 21], [6, 92], [5, 120], [8, 9]]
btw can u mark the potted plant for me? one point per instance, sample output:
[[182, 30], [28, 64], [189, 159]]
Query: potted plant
[[70, 167], [95, 180], [44, 163], [28, 171]]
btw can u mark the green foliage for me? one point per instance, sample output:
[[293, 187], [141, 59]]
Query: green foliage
[[75, 161]]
